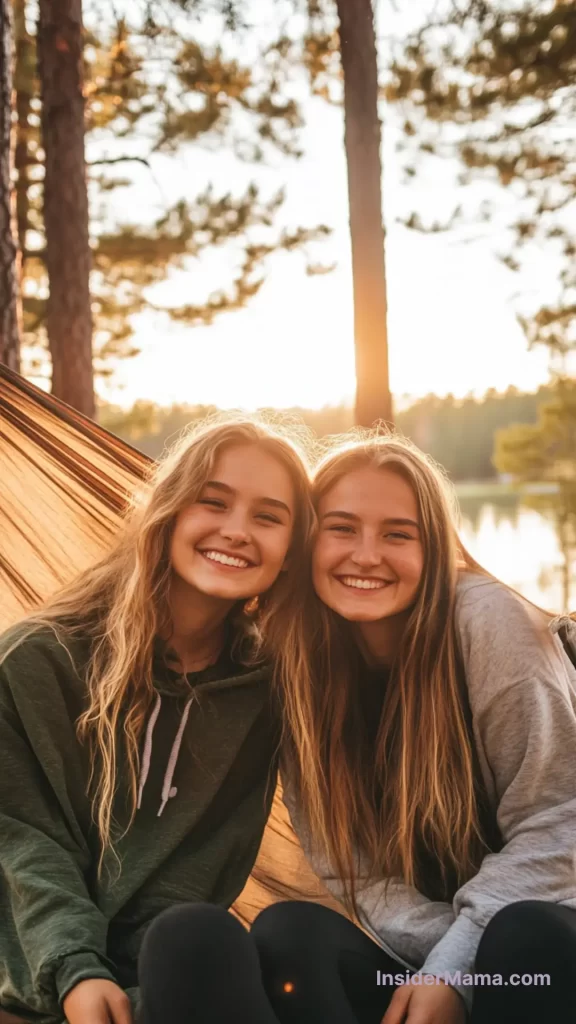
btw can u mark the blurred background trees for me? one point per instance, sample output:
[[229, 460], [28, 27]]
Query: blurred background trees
[[482, 91], [9, 311], [494, 85], [150, 90]]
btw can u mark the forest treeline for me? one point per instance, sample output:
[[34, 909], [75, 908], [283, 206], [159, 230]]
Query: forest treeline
[[458, 433]]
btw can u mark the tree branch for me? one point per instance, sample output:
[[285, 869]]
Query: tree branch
[[119, 160]]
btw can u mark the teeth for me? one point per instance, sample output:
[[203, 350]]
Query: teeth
[[354, 581], [217, 556]]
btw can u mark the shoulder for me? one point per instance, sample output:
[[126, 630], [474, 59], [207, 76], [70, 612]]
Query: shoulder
[[483, 603], [30, 650], [503, 638], [483, 600]]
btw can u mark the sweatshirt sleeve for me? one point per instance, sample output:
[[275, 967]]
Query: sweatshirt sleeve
[[524, 711], [54, 935]]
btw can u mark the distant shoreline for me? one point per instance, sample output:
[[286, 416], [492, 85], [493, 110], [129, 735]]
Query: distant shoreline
[[500, 488]]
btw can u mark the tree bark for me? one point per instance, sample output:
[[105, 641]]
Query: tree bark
[[9, 308], [362, 137], [24, 80], [68, 258]]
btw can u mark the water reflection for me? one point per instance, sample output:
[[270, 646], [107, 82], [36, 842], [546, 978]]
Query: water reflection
[[519, 545]]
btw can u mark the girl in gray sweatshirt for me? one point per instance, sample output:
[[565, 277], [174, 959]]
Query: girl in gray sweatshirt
[[430, 771]]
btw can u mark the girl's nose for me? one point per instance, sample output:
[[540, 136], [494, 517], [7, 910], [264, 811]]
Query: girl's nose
[[236, 531], [366, 555]]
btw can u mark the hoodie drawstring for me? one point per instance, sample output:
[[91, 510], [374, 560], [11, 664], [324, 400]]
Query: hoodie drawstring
[[168, 790], [147, 755]]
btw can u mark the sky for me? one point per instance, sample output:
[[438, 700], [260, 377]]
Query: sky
[[452, 303]]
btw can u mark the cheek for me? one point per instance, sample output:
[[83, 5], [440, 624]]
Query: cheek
[[412, 568], [192, 526], [187, 530]]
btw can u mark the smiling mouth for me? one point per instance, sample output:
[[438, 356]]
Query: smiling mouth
[[222, 561], [363, 584]]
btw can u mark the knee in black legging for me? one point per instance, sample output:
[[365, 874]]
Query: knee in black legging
[[188, 936], [317, 965], [294, 939], [528, 928], [294, 922], [198, 963]]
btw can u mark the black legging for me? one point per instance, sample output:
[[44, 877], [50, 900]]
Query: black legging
[[304, 964]]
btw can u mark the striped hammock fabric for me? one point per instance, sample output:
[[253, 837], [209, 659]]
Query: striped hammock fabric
[[64, 483]]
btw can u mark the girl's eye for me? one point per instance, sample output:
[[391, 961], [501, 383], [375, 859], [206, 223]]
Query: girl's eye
[[341, 529], [398, 536], [212, 501], [217, 503]]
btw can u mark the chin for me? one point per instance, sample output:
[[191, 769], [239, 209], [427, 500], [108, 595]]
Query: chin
[[225, 593], [361, 615], [360, 610], [215, 589]]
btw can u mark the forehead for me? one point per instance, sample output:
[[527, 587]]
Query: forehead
[[371, 493], [249, 469]]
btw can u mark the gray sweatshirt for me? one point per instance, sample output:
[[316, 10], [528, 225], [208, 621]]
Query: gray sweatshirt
[[522, 692]]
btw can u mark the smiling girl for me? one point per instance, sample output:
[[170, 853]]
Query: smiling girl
[[138, 744], [430, 770]]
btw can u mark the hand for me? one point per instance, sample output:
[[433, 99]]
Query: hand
[[97, 1001], [422, 1004]]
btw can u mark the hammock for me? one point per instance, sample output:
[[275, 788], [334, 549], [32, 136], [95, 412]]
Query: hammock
[[64, 483]]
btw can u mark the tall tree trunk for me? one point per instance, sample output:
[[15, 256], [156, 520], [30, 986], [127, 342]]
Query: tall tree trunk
[[9, 314], [362, 137], [24, 82], [69, 320]]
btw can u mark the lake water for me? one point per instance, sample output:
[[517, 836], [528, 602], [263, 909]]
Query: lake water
[[517, 544]]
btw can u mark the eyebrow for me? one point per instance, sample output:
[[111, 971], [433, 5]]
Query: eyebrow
[[385, 522], [226, 489]]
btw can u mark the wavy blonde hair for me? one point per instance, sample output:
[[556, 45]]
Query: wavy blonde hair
[[121, 604], [412, 806]]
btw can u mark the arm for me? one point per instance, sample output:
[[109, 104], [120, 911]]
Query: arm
[[523, 704], [529, 738], [54, 935]]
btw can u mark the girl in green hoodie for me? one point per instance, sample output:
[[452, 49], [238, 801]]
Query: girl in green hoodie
[[137, 738]]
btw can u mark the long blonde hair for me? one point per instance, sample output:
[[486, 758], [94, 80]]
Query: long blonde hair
[[412, 806], [121, 604]]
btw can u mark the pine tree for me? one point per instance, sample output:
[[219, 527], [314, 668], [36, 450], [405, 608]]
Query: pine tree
[[9, 321], [152, 90], [67, 245], [495, 84], [339, 52], [362, 137]]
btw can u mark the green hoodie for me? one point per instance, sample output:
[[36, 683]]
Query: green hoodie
[[211, 780]]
